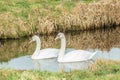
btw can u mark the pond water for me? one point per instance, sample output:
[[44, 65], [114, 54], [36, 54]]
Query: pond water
[[14, 54]]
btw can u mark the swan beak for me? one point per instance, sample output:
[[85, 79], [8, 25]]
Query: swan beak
[[30, 41], [56, 38]]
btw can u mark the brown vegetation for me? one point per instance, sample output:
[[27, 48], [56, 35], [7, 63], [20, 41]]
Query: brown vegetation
[[101, 14]]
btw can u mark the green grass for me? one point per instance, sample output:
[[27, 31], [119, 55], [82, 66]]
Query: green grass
[[103, 70], [27, 17], [88, 1], [23, 7]]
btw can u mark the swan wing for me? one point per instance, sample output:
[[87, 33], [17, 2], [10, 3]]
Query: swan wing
[[77, 55], [48, 53]]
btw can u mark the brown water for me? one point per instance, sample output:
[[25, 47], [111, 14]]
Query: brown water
[[106, 41]]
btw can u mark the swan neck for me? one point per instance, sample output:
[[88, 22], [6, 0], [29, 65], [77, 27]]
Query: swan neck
[[62, 49], [38, 45]]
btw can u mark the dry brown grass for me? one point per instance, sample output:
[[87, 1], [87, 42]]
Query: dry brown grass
[[101, 14], [104, 64], [91, 16]]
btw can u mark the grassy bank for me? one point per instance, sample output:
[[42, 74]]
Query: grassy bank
[[26, 17], [101, 70]]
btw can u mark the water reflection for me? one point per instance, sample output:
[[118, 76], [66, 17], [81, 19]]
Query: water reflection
[[67, 67], [113, 54], [53, 66], [26, 63], [20, 63], [46, 65], [99, 39]]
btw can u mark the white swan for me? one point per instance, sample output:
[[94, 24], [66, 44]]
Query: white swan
[[73, 56], [44, 53]]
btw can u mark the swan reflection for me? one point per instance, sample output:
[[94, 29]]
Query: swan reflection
[[53, 66], [46, 64], [82, 65]]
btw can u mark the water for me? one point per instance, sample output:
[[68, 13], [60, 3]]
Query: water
[[26, 63], [14, 54]]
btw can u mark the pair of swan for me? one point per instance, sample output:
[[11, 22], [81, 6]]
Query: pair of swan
[[44, 53], [72, 56]]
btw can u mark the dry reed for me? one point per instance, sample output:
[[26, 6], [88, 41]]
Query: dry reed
[[101, 14]]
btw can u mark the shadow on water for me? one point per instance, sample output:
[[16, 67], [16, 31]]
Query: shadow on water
[[105, 41]]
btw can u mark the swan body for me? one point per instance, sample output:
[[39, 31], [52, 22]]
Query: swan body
[[44, 53], [77, 55], [72, 56]]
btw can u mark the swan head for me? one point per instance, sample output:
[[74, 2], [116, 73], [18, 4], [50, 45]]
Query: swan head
[[60, 36], [34, 38]]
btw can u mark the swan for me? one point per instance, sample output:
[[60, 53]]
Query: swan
[[72, 56], [44, 53]]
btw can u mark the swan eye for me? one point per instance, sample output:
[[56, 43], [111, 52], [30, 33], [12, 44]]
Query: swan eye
[[59, 35], [33, 38]]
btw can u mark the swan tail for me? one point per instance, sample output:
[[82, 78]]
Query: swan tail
[[93, 54]]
